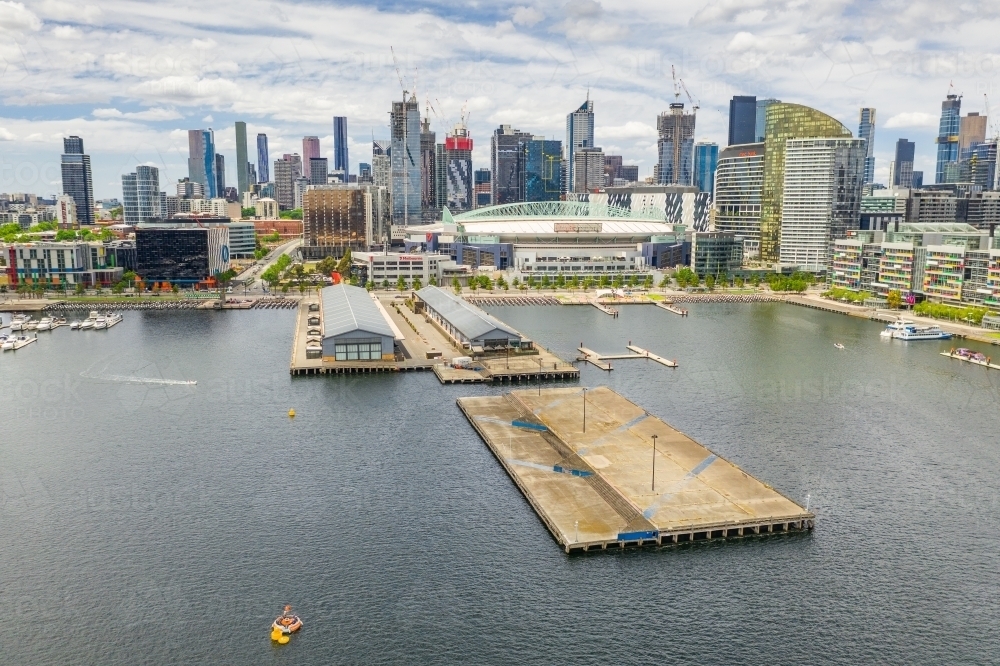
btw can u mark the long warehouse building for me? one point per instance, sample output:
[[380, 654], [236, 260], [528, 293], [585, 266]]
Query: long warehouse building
[[468, 325], [354, 326]]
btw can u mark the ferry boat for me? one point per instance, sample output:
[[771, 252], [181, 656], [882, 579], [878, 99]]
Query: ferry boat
[[914, 332], [896, 326]]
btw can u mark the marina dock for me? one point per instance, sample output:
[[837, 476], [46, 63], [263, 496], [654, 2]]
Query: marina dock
[[601, 360], [602, 473], [670, 307], [984, 363]]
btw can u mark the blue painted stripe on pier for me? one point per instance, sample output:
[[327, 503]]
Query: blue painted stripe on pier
[[558, 469], [604, 440], [635, 536], [698, 469], [639, 419], [529, 426]]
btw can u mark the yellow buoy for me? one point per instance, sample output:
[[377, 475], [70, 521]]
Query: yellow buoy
[[283, 639], [291, 413], [275, 634]]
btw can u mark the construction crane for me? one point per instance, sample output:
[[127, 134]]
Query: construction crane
[[990, 120], [677, 90], [694, 105]]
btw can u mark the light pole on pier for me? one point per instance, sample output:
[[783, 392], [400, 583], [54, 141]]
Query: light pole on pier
[[652, 486]]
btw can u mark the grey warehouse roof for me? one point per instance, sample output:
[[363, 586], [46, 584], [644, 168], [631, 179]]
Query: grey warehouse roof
[[347, 308], [467, 318]]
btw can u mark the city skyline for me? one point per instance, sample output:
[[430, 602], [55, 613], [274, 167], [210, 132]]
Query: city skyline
[[527, 66]]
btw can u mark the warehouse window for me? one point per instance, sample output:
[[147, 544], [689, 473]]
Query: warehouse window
[[361, 350]]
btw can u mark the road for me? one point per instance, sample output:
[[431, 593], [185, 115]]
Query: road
[[250, 275]]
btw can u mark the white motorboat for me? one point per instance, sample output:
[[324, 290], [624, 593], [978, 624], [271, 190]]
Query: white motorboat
[[23, 341], [18, 322], [45, 324], [30, 325], [100, 323], [913, 332], [113, 318], [74, 325], [59, 321], [8, 343], [88, 323]]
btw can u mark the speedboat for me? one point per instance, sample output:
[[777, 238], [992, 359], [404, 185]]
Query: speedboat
[[100, 322], [88, 323], [30, 325], [838, 345], [914, 332], [23, 341], [74, 325], [18, 322], [8, 343], [113, 318], [45, 324]]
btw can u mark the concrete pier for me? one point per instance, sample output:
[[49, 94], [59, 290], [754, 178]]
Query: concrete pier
[[670, 307], [598, 482]]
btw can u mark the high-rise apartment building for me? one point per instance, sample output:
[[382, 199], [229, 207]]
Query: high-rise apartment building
[[588, 170], [902, 165], [784, 122], [739, 181], [430, 200], [220, 175], [971, 130], [612, 167], [77, 180], [946, 170], [201, 160], [340, 155], [242, 165], [319, 170], [482, 187], [761, 128], [706, 157], [742, 119], [675, 146], [310, 149], [364, 172], [381, 166], [506, 162], [542, 170], [579, 136], [286, 171], [189, 189], [263, 160], [333, 220], [866, 131], [821, 200], [141, 195], [405, 162], [458, 169], [979, 165]]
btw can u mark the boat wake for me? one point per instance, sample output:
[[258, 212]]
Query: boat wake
[[133, 379]]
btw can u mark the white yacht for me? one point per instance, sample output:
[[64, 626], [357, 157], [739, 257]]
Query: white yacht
[[113, 318], [74, 325], [18, 322], [914, 332], [88, 323], [45, 324], [100, 323], [896, 326], [23, 341], [8, 343]]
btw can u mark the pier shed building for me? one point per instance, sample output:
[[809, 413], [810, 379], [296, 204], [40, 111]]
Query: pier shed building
[[354, 327], [468, 325]]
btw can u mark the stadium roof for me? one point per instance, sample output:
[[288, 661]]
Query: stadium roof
[[939, 228], [469, 320], [347, 308], [558, 210]]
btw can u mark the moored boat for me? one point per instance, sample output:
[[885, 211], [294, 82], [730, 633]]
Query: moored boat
[[914, 332], [286, 623], [45, 324]]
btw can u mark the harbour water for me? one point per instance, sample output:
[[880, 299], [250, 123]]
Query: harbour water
[[146, 519]]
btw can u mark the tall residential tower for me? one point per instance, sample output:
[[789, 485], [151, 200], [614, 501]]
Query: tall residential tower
[[77, 180], [579, 136], [866, 131]]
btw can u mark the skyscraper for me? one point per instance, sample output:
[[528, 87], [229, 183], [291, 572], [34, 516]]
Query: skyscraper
[[430, 205], [579, 135], [242, 165], [310, 149], [263, 160], [675, 146], [866, 131], [706, 157], [404, 159], [319, 171], [77, 181], [458, 169], [220, 175], [542, 173], [381, 167], [507, 164], [972, 130], [761, 128], [739, 180], [287, 170], [141, 195], [364, 172], [902, 170], [821, 200], [946, 169], [784, 122], [340, 156], [482, 184], [742, 119], [201, 160], [588, 170]]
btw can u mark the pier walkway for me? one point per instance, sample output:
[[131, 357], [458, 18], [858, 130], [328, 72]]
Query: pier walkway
[[587, 464]]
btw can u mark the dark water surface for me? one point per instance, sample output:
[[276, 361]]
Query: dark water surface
[[151, 523]]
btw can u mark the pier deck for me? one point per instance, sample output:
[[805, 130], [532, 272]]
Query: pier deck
[[596, 489]]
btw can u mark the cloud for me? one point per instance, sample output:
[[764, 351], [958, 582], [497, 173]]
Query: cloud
[[527, 16], [148, 114], [14, 17], [188, 90], [585, 20], [72, 12], [630, 130], [913, 119], [5, 135]]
